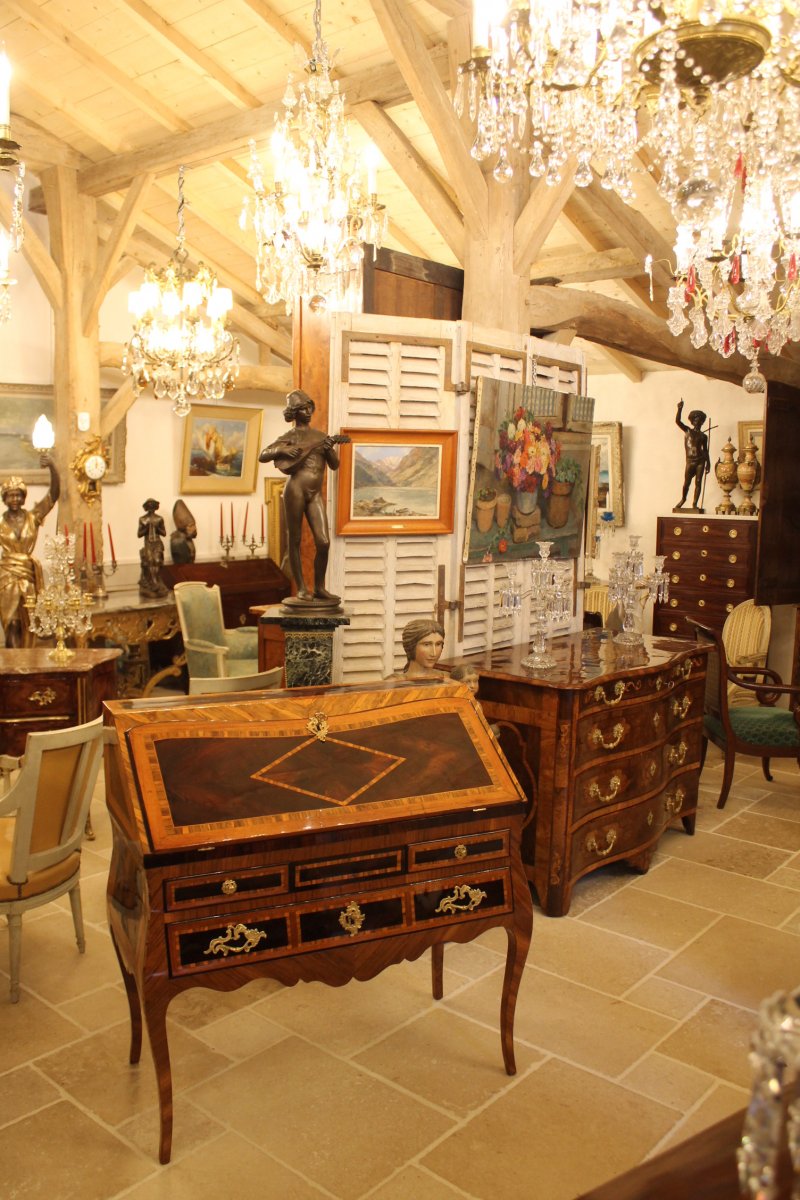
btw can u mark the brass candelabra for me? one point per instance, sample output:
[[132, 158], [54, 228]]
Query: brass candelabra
[[60, 609]]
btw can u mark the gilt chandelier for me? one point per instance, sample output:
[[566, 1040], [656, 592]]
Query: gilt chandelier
[[311, 225], [10, 161], [701, 93], [180, 344]]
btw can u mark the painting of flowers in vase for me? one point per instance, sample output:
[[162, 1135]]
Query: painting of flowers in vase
[[528, 475]]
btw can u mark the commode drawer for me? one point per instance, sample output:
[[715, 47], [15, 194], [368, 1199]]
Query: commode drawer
[[473, 847], [246, 884]]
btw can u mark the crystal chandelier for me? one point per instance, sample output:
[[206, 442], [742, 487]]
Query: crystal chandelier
[[310, 228], [60, 609], [11, 162], [180, 342]]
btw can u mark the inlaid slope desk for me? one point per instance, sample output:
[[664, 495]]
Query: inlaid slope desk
[[311, 834], [607, 745]]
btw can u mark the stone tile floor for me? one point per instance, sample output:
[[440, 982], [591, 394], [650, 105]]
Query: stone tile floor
[[632, 1032]]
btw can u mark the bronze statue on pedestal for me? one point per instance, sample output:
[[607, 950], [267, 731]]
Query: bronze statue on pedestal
[[151, 555], [19, 529], [698, 463]]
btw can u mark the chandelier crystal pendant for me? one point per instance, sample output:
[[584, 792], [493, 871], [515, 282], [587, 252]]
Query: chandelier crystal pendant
[[10, 161], [180, 342], [323, 206]]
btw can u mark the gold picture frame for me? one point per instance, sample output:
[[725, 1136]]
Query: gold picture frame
[[748, 430], [609, 496], [381, 461], [276, 526], [221, 444], [20, 405]]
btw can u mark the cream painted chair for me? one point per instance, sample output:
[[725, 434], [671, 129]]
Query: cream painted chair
[[745, 636], [212, 651], [595, 599], [199, 686], [42, 820]]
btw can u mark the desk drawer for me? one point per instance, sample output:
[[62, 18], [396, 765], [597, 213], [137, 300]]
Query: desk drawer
[[474, 847], [246, 884], [226, 941], [37, 696], [349, 868]]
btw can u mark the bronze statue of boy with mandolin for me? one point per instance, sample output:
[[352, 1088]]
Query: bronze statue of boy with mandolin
[[303, 454]]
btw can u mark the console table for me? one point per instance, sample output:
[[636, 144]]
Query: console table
[[37, 694], [607, 746], [315, 834], [243, 583]]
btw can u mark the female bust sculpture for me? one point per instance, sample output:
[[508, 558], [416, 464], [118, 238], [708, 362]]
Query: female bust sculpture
[[423, 642], [19, 529]]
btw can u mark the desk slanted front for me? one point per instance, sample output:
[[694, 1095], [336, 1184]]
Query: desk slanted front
[[312, 834]]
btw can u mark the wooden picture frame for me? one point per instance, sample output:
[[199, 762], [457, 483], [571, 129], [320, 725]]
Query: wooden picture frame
[[20, 405], [396, 481], [221, 444], [276, 526], [748, 430], [609, 494]]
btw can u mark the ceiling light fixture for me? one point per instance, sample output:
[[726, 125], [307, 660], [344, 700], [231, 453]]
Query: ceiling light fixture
[[323, 205], [9, 161]]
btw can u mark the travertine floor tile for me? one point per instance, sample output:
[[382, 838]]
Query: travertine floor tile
[[664, 997], [618, 1130], [61, 1154], [30, 1028], [97, 1010], [240, 1034], [567, 948], [786, 877], [597, 886], [722, 1102], [782, 800], [419, 1183], [660, 920], [447, 1060], [191, 1130], [738, 961], [721, 891], [51, 963], [22, 1091], [324, 1117], [728, 854], [764, 830], [670, 1082], [717, 1040], [198, 1007]]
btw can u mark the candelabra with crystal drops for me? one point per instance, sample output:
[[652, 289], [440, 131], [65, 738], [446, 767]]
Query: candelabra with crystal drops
[[60, 608], [774, 1056], [551, 602], [629, 587]]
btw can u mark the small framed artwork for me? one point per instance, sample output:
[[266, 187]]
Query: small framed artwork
[[396, 481], [750, 430], [220, 450], [276, 526], [609, 495], [20, 405]]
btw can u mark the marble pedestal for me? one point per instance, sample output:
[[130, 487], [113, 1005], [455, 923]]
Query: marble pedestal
[[309, 643]]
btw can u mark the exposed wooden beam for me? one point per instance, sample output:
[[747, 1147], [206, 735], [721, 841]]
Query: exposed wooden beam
[[281, 27], [37, 256], [633, 331], [577, 215], [631, 228], [623, 363], [115, 409], [409, 51], [113, 249], [416, 174], [191, 55], [451, 8], [560, 266], [409, 244], [270, 378], [261, 332], [42, 149], [542, 209]]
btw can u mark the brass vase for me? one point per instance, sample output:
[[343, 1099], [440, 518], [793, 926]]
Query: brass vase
[[749, 475], [725, 471]]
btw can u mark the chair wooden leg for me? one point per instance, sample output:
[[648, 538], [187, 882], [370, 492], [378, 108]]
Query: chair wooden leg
[[14, 952], [765, 769], [77, 916], [727, 776]]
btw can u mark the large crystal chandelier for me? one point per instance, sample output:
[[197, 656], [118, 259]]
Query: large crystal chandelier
[[311, 226], [180, 342], [10, 161]]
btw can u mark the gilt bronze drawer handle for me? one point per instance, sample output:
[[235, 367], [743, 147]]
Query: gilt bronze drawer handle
[[615, 783], [681, 707], [617, 734], [731, 583], [733, 558], [619, 692], [351, 919], [733, 533], [677, 531], [676, 554], [674, 803], [42, 697], [455, 903], [677, 754], [656, 721], [229, 886], [460, 850], [593, 846], [223, 945], [685, 671]]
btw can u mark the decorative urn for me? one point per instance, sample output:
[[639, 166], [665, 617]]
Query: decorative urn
[[725, 471]]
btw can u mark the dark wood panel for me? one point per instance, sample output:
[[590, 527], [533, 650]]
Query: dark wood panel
[[778, 558], [243, 583], [402, 285]]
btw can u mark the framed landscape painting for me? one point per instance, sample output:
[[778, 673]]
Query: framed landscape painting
[[396, 481], [609, 495], [221, 445], [20, 405]]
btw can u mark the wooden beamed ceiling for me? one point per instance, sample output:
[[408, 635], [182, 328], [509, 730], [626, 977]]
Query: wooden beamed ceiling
[[126, 91]]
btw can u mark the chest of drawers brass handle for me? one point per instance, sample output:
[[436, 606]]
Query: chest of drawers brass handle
[[42, 697], [704, 554], [225, 945], [733, 558], [674, 803], [619, 692], [615, 783], [593, 845], [681, 707], [703, 578], [229, 886], [460, 850], [730, 583], [456, 902], [617, 734], [705, 529], [351, 919], [677, 531], [733, 533], [674, 578], [677, 754], [701, 603], [673, 625], [676, 554]]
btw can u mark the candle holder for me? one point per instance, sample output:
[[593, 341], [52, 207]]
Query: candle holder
[[252, 544], [631, 588], [60, 609], [102, 571], [551, 602], [227, 543]]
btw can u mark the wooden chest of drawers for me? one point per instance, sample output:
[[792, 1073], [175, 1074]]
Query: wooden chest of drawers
[[38, 694], [320, 834], [711, 565]]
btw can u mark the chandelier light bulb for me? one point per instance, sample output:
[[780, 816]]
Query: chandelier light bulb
[[43, 436]]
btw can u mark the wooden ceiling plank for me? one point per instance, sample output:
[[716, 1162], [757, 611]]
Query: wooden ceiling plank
[[542, 209], [261, 332], [231, 135], [83, 121], [270, 378], [36, 255], [576, 214], [114, 248], [409, 52], [451, 8], [410, 244], [634, 230], [279, 25], [415, 173], [115, 409], [585, 266], [614, 323], [61, 35], [191, 55], [42, 149]]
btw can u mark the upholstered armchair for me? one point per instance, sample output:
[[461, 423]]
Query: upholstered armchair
[[212, 651], [745, 636]]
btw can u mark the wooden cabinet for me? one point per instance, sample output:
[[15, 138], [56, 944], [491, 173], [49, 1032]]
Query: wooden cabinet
[[242, 583], [320, 835], [607, 745], [711, 566], [37, 694]]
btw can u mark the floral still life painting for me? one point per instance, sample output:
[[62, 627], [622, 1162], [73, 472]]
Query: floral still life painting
[[529, 472]]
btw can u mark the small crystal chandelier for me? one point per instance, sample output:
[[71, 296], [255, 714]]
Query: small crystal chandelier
[[9, 161], [180, 342], [310, 228], [60, 609]]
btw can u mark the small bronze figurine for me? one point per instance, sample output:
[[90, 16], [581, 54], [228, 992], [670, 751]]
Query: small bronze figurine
[[151, 555], [19, 529], [698, 464], [303, 454], [181, 541]]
